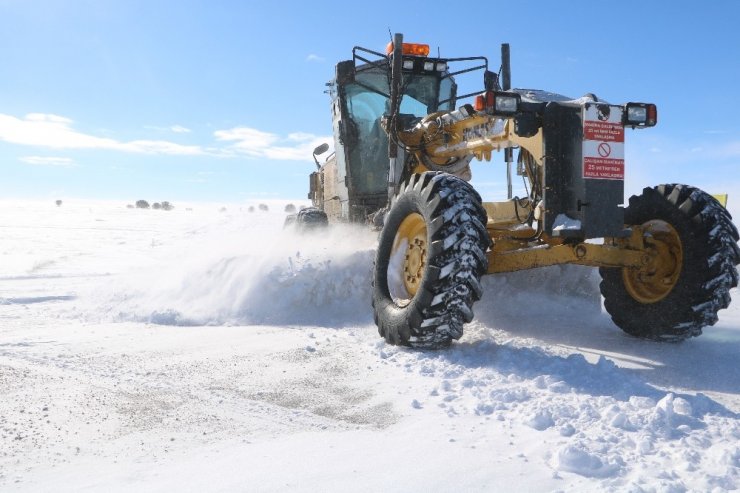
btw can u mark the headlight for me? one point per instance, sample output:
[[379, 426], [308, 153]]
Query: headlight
[[408, 64], [506, 104], [640, 115], [428, 66], [441, 66], [498, 103], [636, 114]]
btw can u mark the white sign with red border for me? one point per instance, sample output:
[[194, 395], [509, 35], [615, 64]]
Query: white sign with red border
[[603, 142]]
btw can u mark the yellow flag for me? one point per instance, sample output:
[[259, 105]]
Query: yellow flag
[[721, 198]]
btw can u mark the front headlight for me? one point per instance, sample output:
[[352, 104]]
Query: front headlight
[[640, 115], [498, 103], [506, 103], [636, 114]]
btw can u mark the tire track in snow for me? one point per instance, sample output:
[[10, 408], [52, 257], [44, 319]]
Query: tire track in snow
[[601, 421], [68, 400]]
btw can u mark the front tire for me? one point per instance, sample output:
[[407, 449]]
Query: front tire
[[693, 242], [431, 255]]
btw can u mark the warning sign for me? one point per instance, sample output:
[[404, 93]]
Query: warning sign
[[609, 132], [603, 168], [603, 142]]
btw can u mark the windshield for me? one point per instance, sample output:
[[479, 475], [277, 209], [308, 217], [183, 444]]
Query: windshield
[[367, 102]]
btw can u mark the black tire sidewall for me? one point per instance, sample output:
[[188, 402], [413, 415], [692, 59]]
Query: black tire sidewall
[[662, 318]]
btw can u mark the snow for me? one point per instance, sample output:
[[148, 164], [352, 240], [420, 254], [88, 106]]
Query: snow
[[563, 222], [204, 350]]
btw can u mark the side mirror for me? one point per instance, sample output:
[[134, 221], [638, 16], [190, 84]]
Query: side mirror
[[490, 80], [319, 150], [345, 72]]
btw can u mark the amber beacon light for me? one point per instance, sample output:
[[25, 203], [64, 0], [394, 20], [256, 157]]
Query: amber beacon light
[[410, 49]]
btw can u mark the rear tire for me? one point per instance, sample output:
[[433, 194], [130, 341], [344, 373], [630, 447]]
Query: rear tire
[[308, 219], [431, 255], [696, 232]]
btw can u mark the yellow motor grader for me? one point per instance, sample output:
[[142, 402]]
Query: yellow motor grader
[[403, 150]]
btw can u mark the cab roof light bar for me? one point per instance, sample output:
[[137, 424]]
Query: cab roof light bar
[[410, 49]]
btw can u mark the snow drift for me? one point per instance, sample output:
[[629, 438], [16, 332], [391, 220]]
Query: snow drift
[[280, 278]]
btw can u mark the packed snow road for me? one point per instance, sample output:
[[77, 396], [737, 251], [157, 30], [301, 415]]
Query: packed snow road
[[204, 350]]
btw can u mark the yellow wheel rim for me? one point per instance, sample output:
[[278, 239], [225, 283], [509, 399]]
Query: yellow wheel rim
[[408, 259], [656, 279]]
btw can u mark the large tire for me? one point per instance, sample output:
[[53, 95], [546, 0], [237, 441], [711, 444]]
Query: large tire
[[431, 255], [701, 242]]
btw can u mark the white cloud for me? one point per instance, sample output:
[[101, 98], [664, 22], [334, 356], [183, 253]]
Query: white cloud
[[160, 147], [47, 117], [300, 136], [48, 161], [251, 142], [315, 58], [56, 132], [178, 129], [247, 139]]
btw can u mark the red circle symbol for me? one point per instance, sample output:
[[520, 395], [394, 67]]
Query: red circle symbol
[[604, 149]]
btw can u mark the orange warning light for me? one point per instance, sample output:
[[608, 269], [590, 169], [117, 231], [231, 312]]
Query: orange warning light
[[480, 102], [410, 49], [485, 101]]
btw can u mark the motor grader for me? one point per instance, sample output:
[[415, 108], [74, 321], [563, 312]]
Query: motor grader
[[402, 161]]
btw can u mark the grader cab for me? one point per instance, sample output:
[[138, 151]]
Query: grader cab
[[403, 153]]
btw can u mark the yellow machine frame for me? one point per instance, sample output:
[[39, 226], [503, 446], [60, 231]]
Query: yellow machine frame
[[515, 246]]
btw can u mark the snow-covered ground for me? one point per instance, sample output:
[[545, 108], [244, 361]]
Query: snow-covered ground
[[145, 350]]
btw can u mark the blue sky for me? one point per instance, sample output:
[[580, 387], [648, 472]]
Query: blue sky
[[223, 100]]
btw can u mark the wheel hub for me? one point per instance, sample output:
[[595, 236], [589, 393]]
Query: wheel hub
[[414, 263], [410, 249], [656, 279]]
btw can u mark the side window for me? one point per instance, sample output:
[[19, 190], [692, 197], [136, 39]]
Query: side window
[[368, 153], [365, 108], [413, 106], [446, 91]]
